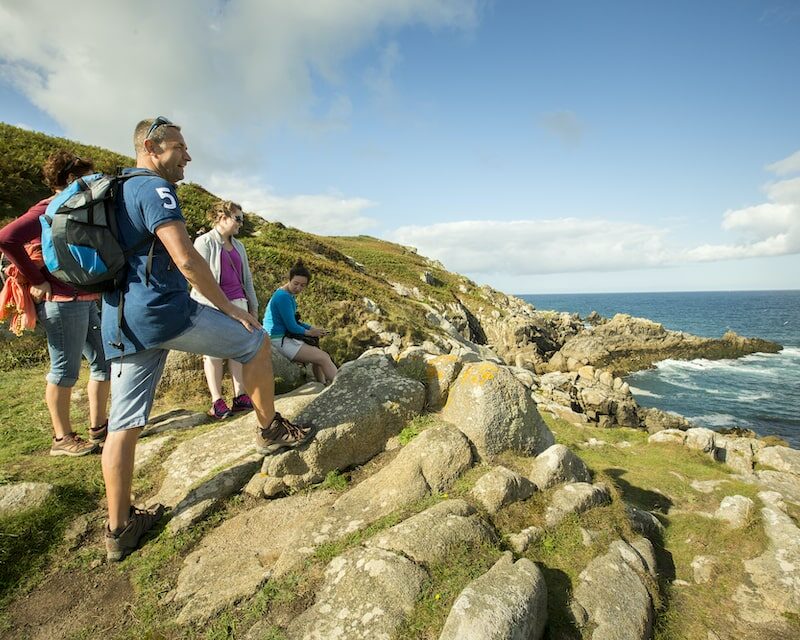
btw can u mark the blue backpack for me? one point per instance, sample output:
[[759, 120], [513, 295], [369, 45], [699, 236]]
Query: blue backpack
[[80, 243]]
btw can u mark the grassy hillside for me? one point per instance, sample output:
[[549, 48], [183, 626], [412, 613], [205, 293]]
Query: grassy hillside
[[339, 285], [22, 154]]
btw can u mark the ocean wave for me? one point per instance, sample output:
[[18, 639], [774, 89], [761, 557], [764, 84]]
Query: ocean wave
[[718, 420], [740, 367], [793, 352], [644, 392], [753, 397]]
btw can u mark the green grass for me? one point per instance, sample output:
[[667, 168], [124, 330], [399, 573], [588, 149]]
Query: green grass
[[334, 481], [417, 425], [445, 582], [657, 477], [414, 369]]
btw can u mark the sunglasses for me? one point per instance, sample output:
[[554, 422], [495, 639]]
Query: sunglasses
[[160, 121], [239, 219]]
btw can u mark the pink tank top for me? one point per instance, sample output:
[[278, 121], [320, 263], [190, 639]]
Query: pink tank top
[[230, 274]]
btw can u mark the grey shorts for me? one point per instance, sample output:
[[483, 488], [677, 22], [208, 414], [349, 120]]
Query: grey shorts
[[243, 305], [134, 377], [287, 347]]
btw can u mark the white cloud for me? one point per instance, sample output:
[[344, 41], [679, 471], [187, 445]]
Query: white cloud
[[322, 214], [215, 66], [567, 245], [768, 229], [527, 247], [787, 165]]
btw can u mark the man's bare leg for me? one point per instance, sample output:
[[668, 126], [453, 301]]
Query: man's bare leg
[[260, 385], [118, 456]]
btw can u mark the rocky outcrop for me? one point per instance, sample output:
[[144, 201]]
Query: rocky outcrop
[[430, 463], [240, 554], [655, 420], [735, 510], [495, 411], [773, 586], [575, 497], [612, 593], [508, 602], [645, 523], [429, 537], [520, 542], [519, 333], [366, 594], [21, 496], [780, 459], [500, 487], [624, 344], [557, 465], [203, 471], [441, 371], [368, 402], [601, 397]]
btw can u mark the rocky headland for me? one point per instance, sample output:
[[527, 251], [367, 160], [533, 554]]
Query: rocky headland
[[481, 471], [452, 456]]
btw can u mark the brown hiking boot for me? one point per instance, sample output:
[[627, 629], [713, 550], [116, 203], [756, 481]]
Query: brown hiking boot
[[139, 522], [98, 434], [72, 445], [281, 434]]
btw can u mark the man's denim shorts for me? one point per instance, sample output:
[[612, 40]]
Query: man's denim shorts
[[72, 328], [134, 377]]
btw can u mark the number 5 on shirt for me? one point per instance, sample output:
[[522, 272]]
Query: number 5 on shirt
[[165, 194]]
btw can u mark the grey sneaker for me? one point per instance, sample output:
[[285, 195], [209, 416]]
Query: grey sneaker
[[98, 434], [281, 434], [72, 445], [139, 522]]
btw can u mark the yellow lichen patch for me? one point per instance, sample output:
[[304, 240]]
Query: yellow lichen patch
[[481, 373], [437, 367]]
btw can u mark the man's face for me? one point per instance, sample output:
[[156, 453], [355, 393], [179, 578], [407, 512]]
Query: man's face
[[171, 156]]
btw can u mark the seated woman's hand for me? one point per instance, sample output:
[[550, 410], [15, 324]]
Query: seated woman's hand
[[316, 332]]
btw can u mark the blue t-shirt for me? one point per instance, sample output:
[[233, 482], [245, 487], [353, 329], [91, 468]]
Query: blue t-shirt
[[280, 315], [160, 310]]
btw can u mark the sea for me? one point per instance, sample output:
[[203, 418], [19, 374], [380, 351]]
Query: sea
[[759, 391]]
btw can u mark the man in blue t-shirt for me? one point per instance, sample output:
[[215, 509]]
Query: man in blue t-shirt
[[152, 313]]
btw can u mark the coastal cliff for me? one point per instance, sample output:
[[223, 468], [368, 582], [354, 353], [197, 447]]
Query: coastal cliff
[[481, 470]]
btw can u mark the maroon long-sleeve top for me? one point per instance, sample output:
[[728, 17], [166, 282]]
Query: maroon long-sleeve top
[[13, 238]]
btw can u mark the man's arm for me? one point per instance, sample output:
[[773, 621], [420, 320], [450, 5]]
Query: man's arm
[[176, 240]]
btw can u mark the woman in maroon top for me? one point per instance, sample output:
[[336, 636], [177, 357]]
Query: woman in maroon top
[[70, 318]]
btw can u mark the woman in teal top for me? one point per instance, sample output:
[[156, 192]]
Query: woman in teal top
[[280, 320]]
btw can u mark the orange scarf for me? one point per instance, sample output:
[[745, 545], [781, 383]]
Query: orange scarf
[[15, 298]]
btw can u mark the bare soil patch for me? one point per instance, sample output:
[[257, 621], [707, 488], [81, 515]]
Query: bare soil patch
[[66, 603]]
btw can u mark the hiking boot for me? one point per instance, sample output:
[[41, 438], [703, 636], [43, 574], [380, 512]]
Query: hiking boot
[[281, 434], [219, 410], [140, 522], [72, 445], [242, 403], [98, 434]]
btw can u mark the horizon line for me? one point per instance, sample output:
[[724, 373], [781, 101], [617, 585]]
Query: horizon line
[[606, 293]]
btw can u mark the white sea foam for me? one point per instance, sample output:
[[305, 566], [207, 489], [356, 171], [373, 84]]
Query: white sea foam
[[718, 420], [753, 397], [741, 366], [644, 392]]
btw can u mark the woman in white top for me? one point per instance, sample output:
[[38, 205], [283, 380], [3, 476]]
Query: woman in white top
[[228, 261]]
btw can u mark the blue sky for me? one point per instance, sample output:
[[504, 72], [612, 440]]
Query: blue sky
[[535, 146]]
